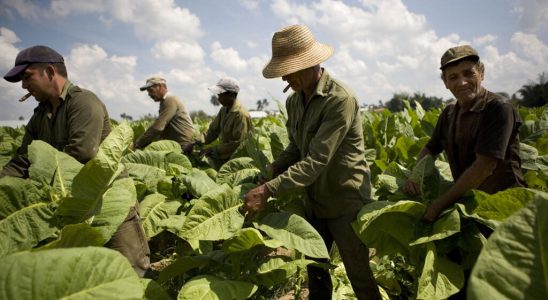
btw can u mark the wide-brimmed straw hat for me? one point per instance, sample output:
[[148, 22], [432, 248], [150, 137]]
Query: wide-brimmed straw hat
[[294, 48]]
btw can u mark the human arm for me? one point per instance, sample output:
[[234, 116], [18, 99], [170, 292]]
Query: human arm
[[255, 200], [482, 167], [168, 109], [86, 121]]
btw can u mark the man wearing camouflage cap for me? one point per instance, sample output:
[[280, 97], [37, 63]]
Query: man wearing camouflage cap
[[231, 124], [173, 122], [479, 133], [325, 156]]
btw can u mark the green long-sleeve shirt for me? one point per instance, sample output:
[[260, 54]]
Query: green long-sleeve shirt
[[231, 126], [326, 151], [173, 123], [78, 127]]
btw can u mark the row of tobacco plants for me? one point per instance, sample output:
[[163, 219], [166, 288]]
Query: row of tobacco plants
[[54, 224]]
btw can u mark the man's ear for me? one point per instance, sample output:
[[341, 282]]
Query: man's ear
[[50, 71]]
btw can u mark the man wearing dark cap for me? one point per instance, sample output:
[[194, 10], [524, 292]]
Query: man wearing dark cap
[[479, 133], [231, 124], [72, 120], [173, 122], [325, 155]]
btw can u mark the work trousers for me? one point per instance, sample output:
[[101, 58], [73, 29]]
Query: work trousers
[[130, 240], [355, 257]]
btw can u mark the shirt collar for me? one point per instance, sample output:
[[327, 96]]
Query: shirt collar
[[481, 101], [64, 91]]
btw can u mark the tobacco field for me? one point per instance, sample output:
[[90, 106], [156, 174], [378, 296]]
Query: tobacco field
[[54, 224]]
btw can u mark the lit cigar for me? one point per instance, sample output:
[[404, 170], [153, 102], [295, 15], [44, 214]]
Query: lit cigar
[[25, 97], [286, 88]]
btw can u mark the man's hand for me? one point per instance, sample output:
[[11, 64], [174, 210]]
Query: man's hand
[[205, 152], [131, 147], [188, 148], [411, 188], [255, 201], [432, 212]]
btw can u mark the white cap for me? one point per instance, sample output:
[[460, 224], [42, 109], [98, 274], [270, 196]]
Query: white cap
[[225, 84]]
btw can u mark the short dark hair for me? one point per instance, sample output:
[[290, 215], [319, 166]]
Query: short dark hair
[[60, 68]]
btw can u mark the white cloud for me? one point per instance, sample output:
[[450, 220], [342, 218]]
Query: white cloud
[[484, 40], [533, 15], [531, 47], [8, 51], [110, 77], [178, 51], [65, 7], [26, 9], [227, 57], [249, 4]]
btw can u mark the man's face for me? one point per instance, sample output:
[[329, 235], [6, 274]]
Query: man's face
[[463, 80], [154, 92], [226, 99], [298, 81], [37, 82]]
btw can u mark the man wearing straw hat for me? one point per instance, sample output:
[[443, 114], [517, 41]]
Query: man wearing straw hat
[[325, 155]]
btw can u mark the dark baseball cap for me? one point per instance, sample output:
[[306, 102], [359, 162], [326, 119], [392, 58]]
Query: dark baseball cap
[[34, 54], [458, 53]]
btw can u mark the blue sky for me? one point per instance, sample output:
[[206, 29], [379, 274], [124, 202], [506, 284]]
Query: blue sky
[[382, 47]]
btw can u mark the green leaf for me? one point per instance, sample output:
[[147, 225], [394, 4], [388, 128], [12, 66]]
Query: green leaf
[[72, 273], [115, 206], [25, 218], [149, 175], [246, 239], [440, 277], [154, 210], [214, 216], [389, 227], [294, 232], [52, 167], [237, 171], [198, 183], [164, 145], [182, 265], [497, 206], [514, 262], [278, 269], [93, 180], [153, 291], [77, 235], [445, 226], [215, 288]]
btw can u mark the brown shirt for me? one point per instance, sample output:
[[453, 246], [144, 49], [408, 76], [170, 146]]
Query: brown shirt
[[78, 127], [490, 127], [173, 123]]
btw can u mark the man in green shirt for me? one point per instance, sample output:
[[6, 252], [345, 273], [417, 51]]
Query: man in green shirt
[[173, 122], [231, 124], [325, 155], [72, 120]]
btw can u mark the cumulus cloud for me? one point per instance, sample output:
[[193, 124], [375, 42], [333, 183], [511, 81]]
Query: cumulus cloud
[[27, 9], [484, 40], [227, 57], [179, 51], [249, 4], [8, 51], [533, 15]]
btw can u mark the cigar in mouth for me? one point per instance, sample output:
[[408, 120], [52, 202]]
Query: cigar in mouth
[[286, 88], [25, 97]]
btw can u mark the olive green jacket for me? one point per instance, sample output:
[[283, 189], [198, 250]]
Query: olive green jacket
[[78, 127], [325, 154], [173, 123], [231, 127]]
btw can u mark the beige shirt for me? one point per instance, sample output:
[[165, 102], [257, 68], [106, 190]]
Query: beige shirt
[[173, 123]]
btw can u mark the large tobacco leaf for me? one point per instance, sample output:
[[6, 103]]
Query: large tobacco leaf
[[215, 288], [237, 171], [514, 262], [26, 218], [440, 277], [199, 183], [214, 216], [246, 239], [93, 180], [155, 210], [294, 232], [72, 273], [50, 167]]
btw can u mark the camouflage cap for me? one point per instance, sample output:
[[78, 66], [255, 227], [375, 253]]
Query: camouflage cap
[[153, 81], [458, 53]]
